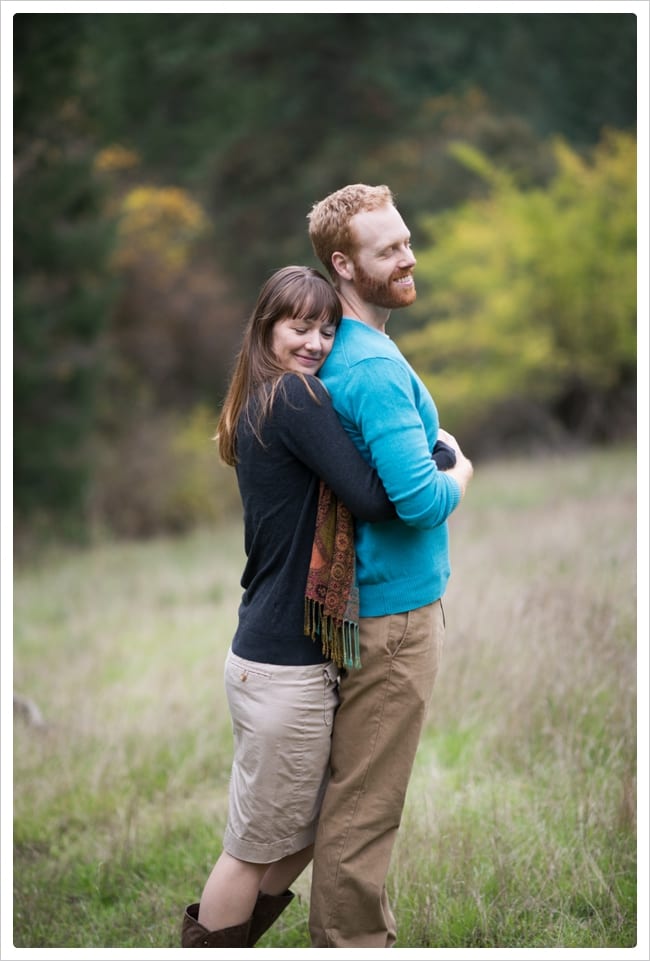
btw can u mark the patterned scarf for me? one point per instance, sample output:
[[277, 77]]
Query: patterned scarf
[[332, 595]]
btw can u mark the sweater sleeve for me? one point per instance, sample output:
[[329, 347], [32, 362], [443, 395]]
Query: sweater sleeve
[[380, 398], [312, 431]]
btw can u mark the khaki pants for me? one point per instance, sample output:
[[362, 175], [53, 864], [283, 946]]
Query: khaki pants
[[377, 728]]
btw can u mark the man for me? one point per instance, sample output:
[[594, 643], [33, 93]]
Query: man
[[402, 567]]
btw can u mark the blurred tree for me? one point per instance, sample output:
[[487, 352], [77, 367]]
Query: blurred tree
[[176, 324], [161, 222], [531, 297], [62, 290], [172, 332]]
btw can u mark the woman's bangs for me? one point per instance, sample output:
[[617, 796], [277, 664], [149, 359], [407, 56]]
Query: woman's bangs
[[320, 303]]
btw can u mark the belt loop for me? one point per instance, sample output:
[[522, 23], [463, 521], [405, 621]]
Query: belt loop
[[444, 620]]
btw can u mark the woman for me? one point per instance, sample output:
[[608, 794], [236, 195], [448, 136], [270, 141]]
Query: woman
[[280, 432]]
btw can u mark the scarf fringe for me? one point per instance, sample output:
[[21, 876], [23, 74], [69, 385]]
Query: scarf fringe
[[339, 638]]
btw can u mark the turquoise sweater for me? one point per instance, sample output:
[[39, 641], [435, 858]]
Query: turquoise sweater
[[389, 414]]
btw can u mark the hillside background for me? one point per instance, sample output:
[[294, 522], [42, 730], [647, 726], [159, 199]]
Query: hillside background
[[165, 164]]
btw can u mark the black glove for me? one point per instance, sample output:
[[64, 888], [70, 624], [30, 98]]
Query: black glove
[[444, 455]]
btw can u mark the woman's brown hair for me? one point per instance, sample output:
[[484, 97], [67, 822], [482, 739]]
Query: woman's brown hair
[[298, 292]]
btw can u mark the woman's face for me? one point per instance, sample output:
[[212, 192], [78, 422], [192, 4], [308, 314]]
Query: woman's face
[[302, 345]]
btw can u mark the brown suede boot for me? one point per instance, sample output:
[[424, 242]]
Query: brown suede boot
[[194, 935], [267, 910]]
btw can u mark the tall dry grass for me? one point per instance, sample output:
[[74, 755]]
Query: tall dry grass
[[525, 790], [519, 828]]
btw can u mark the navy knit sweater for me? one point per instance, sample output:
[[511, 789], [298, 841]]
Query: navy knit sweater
[[278, 482]]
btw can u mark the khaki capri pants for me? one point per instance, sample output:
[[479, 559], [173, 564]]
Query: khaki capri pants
[[282, 719]]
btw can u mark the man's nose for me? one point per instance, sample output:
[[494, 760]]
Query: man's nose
[[408, 257]]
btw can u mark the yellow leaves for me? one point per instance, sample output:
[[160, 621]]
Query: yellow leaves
[[161, 223], [115, 158], [522, 289], [478, 163]]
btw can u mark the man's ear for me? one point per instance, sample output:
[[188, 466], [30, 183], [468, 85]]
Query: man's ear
[[342, 265]]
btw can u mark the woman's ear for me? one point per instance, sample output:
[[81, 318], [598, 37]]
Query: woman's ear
[[342, 265]]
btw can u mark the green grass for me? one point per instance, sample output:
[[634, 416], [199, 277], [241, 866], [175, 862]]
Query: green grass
[[520, 823]]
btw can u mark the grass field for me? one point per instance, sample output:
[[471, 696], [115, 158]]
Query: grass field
[[520, 824]]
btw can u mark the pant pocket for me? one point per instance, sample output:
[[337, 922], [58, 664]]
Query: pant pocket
[[397, 632], [330, 692]]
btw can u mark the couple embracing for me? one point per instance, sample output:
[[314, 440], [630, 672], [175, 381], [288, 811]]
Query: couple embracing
[[347, 481]]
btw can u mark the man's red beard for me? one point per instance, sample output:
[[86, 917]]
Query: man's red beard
[[382, 293]]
